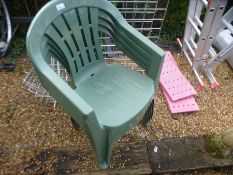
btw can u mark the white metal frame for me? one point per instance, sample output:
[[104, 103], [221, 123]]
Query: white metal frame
[[33, 84], [146, 16], [5, 28]]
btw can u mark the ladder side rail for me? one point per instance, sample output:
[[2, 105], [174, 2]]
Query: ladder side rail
[[194, 70], [188, 27], [196, 18], [212, 79], [211, 22], [219, 9], [202, 38], [227, 17], [216, 57]]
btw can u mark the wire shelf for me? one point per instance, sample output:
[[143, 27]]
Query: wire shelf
[[33, 84], [146, 16]]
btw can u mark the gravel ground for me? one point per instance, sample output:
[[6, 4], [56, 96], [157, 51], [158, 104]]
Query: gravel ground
[[29, 125]]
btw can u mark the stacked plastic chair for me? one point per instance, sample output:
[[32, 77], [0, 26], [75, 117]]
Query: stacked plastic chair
[[104, 100]]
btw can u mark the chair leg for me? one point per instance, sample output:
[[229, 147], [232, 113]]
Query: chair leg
[[148, 114], [100, 143], [103, 152], [107, 155]]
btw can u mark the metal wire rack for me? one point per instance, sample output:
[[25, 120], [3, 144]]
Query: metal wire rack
[[146, 16], [33, 84]]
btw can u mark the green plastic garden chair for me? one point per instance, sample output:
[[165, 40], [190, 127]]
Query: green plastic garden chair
[[104, 100]]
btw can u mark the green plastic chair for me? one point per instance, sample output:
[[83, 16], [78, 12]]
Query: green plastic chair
[[104, 100]]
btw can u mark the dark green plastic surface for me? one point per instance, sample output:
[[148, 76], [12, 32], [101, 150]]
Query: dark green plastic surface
[[104, 100]]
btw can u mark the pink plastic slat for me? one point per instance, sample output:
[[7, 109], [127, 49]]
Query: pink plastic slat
[[173, 81], [187, 104]]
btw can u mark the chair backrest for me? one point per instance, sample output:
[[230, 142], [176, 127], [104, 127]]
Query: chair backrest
[[68, 30]]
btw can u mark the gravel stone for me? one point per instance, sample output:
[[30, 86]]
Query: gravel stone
[[29, 125]]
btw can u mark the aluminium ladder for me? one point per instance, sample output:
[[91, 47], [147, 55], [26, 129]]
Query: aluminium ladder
[[224, 51], [200, 34]]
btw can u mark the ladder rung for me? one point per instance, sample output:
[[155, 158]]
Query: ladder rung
[[223, 52], [205, 2], [194, 26], [194, 70], [193, 43], [200, 23], [190, 48], [212, 52], [228, 25], [188, 58]]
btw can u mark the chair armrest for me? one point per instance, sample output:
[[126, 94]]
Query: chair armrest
[[140, 49], [72, 103]]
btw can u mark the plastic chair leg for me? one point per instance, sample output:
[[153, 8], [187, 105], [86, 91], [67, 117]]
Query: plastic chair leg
[[148, 114], [102, 146], [103, 155]]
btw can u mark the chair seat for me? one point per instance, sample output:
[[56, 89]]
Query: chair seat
[[116, 93]]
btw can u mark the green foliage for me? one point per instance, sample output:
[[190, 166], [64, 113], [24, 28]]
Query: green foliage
[[173, 27], [215, 146], [174, 22], [17, 48]]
